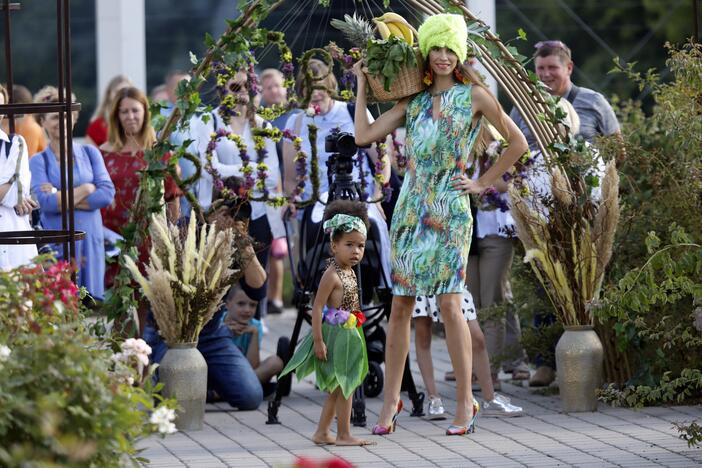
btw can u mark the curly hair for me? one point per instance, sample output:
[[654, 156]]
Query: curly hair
[[348, 207]]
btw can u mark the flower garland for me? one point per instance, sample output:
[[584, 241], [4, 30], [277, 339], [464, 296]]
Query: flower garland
[[300, 160], [250, 183], [344, 318], [397, 149], [380, 168]]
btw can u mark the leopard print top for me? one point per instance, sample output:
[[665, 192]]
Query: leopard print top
[[349, 297]]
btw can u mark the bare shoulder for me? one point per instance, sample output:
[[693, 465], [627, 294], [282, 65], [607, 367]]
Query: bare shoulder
[[331, 277], [402, 104], [481, 96]]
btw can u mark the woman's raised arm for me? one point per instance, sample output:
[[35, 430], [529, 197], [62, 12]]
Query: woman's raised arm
[[367, 132]]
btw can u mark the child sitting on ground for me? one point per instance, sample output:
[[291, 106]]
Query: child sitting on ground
[[336, 348], [248, 335]]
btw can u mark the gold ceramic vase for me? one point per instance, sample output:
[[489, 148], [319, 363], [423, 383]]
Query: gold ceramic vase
[[579, 358]]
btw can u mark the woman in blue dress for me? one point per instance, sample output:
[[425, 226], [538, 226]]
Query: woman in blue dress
[[432, 223], [92, 190]]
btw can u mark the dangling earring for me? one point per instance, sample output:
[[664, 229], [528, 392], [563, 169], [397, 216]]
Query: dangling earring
[[428, 77], [459, 76]]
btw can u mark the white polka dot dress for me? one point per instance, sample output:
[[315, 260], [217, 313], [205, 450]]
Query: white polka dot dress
[[426, 306]]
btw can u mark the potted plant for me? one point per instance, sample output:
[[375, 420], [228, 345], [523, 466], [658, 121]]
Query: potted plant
[[394, 65], [566, 208], [186, 279]]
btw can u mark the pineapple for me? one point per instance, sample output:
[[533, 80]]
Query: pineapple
[[357, 30]]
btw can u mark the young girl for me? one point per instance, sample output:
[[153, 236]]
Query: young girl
[[336, 349]]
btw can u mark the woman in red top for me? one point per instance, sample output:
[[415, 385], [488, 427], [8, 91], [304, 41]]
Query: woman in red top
[[130, 135], [96, 134]]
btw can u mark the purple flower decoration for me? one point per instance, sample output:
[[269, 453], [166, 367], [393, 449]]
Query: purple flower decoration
[[336, 316]]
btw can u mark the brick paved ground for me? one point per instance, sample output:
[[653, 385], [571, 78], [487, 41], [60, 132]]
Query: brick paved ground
[[542, 437]]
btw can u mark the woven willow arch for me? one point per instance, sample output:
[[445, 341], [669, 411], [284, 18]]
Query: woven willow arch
[[507, 71]]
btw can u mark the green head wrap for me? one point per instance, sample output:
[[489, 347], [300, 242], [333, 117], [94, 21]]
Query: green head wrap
[[444, 30], [344, 223]]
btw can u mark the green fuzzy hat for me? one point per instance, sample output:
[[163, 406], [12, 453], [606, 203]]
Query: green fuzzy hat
[[444, 30]]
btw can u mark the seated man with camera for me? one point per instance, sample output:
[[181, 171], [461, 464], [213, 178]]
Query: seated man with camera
[[230, 376]]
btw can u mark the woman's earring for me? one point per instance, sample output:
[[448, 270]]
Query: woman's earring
[[459, 76], [428, 77]]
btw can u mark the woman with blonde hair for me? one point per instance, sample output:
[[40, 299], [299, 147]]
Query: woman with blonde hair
[[96, 134], [130, 136], [92, 190], [432, 222]]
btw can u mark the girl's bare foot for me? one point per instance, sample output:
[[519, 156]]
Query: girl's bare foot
[[349, 440], [323, 438]]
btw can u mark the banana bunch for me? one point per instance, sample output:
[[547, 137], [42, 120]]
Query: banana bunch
[[392, 24]]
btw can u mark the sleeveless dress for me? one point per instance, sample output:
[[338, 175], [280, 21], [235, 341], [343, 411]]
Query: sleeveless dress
[[432, 224], [347, 360]]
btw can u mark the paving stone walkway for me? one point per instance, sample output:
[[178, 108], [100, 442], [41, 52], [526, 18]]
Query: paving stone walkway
[[542, 437]]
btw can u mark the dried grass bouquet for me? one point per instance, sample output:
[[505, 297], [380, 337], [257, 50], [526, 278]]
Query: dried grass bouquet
[[566, 210], [187, 276]]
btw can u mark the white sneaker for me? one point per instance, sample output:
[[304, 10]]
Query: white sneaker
[[500, 407], [436, 409]]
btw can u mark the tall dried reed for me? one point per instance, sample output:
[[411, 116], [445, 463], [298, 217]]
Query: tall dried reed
[[187, 276]]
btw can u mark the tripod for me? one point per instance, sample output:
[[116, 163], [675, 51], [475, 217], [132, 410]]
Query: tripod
[[310, 271]]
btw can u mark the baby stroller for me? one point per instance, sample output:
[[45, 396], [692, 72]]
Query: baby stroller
[[313, 251]]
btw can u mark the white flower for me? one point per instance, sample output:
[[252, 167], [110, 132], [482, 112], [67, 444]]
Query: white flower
[[310, 112], [494, 149], [163, 417], [4, 353], [137, 347]]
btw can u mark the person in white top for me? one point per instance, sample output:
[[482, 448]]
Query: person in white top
[[332, 115], [265, 223], [15, 207]]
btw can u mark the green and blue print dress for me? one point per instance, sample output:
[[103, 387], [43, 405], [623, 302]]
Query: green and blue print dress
[[432, 224]]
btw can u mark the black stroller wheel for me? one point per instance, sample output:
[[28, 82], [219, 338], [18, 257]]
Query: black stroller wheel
[[373, 384]]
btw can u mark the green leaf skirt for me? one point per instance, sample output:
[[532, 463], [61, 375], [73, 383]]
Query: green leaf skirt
[[347, 360]]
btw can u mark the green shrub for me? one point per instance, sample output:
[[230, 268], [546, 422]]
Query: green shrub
[[65, 398]]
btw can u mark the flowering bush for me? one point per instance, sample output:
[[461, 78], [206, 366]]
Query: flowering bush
[[64, 398]]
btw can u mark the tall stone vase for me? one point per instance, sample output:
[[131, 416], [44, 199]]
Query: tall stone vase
[[183, 372], [579, 359]]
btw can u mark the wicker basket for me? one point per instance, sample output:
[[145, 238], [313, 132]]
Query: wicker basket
[[409, 81]]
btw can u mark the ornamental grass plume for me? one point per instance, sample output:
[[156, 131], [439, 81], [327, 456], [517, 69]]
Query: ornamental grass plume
[[187, 276], [567, 233]]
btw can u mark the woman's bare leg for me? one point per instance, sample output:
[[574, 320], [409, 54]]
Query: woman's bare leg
[[460, 351], [481, 360], [422, 343], [396, 350]]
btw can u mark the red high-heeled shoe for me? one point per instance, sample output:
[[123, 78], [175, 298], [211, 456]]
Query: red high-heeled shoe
[[385, 430]]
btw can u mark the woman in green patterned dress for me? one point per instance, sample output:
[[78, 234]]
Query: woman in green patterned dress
[[432, 224]]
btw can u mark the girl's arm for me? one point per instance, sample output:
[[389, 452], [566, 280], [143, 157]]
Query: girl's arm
[[367, 132], [486, 105], [330, 281]]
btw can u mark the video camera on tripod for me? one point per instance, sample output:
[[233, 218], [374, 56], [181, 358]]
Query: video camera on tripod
[[343, 147]]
